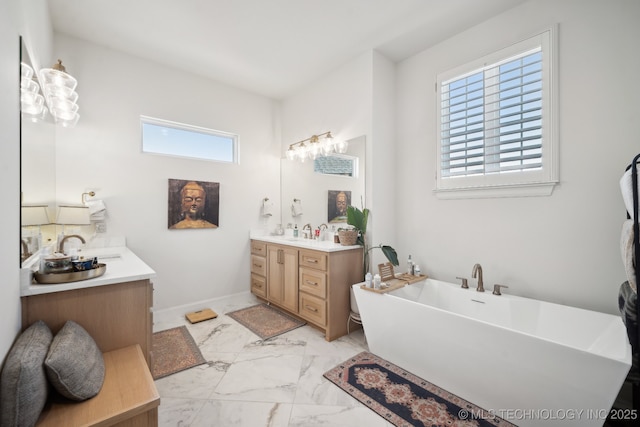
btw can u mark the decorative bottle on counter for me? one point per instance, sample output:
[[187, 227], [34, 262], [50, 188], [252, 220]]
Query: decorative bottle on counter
[[45, 252], [409, 265]]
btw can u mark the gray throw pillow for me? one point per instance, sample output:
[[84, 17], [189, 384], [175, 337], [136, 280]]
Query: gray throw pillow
[[23, 383], [74, 365]]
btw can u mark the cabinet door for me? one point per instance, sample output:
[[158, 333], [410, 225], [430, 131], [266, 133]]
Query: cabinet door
[[282, 285]]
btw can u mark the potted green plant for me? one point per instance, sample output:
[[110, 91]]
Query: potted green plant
[[358, 219]]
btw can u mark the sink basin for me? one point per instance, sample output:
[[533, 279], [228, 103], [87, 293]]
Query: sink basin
[[74, 276]]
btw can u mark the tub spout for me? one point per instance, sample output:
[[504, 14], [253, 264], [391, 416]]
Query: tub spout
[[477, 273]]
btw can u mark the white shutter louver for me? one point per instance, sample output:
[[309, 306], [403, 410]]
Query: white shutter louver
[[491, 119]]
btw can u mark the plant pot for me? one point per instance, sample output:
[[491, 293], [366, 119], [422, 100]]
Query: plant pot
[[348, 237]]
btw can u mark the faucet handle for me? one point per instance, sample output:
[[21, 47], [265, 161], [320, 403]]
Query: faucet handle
[[465, 284], [496, 289]]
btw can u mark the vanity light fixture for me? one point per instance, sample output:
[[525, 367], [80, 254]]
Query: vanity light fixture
[[31, 101], [317, 145], [59, 87]]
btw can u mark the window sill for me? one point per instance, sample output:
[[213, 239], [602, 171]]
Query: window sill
[[537, 189]]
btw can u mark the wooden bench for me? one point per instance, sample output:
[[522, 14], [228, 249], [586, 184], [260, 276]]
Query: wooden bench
[[128, 396]]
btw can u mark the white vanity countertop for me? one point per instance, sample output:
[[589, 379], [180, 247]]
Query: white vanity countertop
[[299, 242], [122, 266]]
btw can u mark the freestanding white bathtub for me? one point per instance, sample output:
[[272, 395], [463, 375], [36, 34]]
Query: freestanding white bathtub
[[527, 361]]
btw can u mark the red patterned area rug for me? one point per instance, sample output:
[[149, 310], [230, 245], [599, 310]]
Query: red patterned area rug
[[404, 399], [174, 350], [265, 321]]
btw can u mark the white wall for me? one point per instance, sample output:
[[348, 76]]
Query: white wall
[[103, 153], [9, 175], [563, 248], [355, 99]]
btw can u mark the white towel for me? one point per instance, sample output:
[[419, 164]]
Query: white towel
[[628, 253], [267, 207], [626, 186], [296, 207], [97, 209]]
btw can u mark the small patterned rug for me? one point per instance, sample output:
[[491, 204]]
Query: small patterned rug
[[404, 399], [174, 350], [265, 321]]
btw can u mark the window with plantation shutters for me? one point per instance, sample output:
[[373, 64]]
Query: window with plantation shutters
[[495, 127]]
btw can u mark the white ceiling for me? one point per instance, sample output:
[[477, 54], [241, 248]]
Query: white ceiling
[[269, 47]]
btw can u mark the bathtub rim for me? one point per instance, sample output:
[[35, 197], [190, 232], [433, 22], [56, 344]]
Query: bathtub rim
[[625, 358]]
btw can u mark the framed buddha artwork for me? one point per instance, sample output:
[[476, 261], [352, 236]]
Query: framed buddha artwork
[[193, 204], [337, 205]]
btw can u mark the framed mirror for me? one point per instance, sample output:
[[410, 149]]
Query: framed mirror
[[37, 170], [323, 187]]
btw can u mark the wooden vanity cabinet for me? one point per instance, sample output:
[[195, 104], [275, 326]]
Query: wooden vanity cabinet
[[259, 268], [282, 276], [325, 283], [116, 315], [311, 284]]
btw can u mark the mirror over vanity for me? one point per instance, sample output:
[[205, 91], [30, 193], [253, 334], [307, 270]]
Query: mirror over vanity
[[315, 187], [37, 174]]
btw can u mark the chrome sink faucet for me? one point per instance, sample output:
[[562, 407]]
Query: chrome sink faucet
[[477, 272], [310, 235], [61, 245]]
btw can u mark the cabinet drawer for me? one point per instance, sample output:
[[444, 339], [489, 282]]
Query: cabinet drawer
[[258, 248], [313, 282], [317, 260], [259, 285], [259, 265], [313, 309]]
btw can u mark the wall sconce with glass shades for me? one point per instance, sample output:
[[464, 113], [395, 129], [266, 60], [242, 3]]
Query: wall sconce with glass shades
[[58, 92], [315, 146]]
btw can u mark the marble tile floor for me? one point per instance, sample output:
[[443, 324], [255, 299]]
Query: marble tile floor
[[248, 382]]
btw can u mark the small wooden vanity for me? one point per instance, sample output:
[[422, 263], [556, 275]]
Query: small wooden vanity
[[116, 310], [309, 279]]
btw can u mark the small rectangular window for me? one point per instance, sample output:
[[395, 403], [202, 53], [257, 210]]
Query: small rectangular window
[[496, 120], [181, 140]]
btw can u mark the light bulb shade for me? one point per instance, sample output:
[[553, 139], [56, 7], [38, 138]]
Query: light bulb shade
[[28, 85], [26, 72], [63, 109], [342, 146], [58, 78], [60, 92], [328, 146], [73, 215], [69, 121], [36, 117], [32, 104], [314, 150], [34, 215], [290, 154]]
